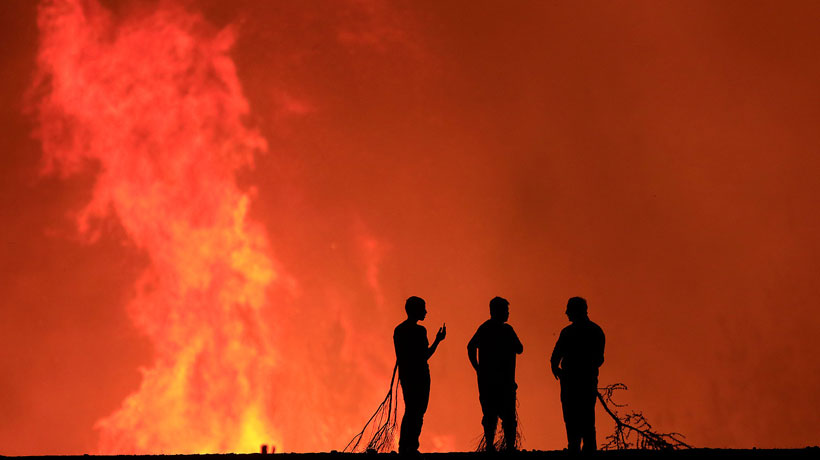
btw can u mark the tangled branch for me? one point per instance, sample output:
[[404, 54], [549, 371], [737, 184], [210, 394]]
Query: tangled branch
[[385, 419], [633, 430]]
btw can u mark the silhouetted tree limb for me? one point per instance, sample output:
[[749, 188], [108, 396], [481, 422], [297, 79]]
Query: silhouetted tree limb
[[633, 430], [385, 419]]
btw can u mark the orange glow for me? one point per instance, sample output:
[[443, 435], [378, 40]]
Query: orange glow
[[212, 212]]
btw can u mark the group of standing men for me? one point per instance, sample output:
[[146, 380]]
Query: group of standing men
[[492, 351]]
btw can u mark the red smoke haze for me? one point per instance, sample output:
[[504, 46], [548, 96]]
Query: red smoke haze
[[209, 238]]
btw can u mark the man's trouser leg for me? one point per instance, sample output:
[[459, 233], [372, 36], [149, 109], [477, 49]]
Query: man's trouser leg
[[587, 414], [489, 409], [416, 395], [509, 421], [569, 405]]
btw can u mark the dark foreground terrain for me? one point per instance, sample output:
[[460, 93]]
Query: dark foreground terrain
[[805, 453]]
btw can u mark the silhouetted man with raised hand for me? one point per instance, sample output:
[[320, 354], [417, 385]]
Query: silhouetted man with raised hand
[[575, 360], [492, 353], [412, 353]]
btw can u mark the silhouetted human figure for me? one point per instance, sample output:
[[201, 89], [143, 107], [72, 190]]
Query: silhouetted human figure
[[575, 360], [412, 353], [492, 353]]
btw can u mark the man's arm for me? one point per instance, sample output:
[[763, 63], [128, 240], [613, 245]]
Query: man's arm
[[440, 335], [472, 351], [396, 344], [517, 346], [599, 356], [555, 359]]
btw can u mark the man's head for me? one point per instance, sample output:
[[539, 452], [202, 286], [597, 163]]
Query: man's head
[[415, 308], [576, 309], [500, 309]]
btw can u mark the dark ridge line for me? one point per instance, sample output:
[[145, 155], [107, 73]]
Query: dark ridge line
[[812, 452]]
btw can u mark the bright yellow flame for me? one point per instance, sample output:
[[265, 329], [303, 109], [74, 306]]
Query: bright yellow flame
[[156, 103]]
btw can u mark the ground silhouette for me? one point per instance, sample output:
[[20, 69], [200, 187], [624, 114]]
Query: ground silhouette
[[693, 454]]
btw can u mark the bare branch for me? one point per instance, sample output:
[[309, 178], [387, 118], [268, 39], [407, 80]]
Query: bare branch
[[385, 419], [633, 430]]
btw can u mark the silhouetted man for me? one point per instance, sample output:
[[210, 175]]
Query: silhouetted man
[[575, 360], [492, 353], [412, 353]]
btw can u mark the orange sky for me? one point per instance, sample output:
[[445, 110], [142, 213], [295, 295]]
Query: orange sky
[[657, 158]]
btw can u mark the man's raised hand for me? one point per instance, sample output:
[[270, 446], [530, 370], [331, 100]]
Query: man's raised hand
[[442, 333]]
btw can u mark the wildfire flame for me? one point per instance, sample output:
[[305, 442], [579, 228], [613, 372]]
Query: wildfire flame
[[154, 101]]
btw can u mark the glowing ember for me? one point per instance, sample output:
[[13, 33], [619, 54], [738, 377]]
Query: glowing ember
[[156, 103]]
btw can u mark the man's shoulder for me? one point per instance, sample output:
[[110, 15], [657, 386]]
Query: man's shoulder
[[406, 327], [484, 328], [595, 327], [600, 333], [480, 332], [400, 329], [588, 330]]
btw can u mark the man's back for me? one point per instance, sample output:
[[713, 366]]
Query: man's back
[[497, 345], [410, 342], [580, 349]]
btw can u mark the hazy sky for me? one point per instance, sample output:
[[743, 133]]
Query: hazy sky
[[658, 158]]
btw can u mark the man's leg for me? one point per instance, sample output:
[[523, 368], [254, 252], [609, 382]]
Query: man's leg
[[587, 415], [509, 421], [489, 419], [411, 421], [569, 406], [416, 396], [424, 400], [408, 419]]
